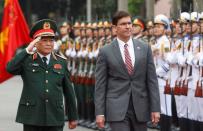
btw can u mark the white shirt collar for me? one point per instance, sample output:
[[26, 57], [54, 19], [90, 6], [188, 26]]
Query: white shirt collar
[[129, 42], [130, 49], [47, 56]]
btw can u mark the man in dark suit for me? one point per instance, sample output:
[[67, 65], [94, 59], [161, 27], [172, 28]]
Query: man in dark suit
[[126, 90], [45, 81]]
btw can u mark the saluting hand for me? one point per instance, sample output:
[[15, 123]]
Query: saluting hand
[[72, 124], [32, 44]]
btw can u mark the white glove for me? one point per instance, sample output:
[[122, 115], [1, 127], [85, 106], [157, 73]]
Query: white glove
[[162, 70], [73, 54], [181, 60], [171, 58], [190, 58], [31, 47], [90, 55], [68, 52]]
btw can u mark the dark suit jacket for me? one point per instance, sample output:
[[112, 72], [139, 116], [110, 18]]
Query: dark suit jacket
[[114, 85], [41, 101]]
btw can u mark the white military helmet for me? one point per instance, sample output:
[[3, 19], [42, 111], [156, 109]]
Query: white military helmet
[[162, 19], [195, 16], [184, 17]]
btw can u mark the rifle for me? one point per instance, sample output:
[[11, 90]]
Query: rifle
[[167, 87], [88, 60], [177, 88], [184, 88], [199, 91]]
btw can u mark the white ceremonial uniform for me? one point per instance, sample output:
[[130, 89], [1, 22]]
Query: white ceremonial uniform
[[182, 101], [162, 70]]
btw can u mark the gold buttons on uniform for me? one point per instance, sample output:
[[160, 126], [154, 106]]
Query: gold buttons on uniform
[[47, 90], [46, 81], [47, 72]]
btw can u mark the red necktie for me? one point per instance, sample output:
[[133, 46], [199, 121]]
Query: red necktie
[[128, 62]]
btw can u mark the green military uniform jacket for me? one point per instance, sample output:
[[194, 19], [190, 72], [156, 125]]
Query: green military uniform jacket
[[41, 101]]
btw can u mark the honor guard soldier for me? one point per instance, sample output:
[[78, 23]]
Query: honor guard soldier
[[150, 32], [175, 44], [89, 88], [113, 33], [66, 41], [161, 50], [107, 30], [194, 113], [78, 77], [180, 89], [75, 62], [138, 28], [101, 34], [46, 80], [71, 52], [200, 101]]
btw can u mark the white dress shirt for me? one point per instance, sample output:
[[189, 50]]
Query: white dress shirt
[[130, 49], [47, 56]]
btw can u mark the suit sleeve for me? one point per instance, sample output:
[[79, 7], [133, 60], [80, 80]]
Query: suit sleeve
[[70, 97], [152, 84], [15, 65], [101, 83]]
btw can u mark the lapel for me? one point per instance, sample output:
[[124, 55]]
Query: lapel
[[138, 52], [117, 54]]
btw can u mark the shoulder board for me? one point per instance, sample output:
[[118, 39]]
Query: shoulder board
[[60, 56]]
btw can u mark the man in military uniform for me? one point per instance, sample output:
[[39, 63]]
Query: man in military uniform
[[150, 32], [138, 28], [101, 34], [194, 113], [160, 51], [66, 40], [107, 30], [46, 80]]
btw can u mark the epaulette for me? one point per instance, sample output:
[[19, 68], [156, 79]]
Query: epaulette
[[60, 56]]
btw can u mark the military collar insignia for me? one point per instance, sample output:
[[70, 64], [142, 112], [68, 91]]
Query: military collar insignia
[[34, 57], [57, 66], [46, 25]]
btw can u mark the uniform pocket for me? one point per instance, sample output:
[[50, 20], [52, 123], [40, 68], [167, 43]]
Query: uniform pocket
[[59, 72], [27, 103], [32, 72], [27, 108]]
